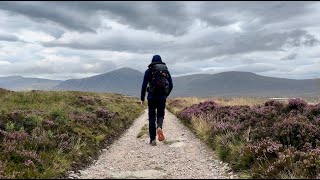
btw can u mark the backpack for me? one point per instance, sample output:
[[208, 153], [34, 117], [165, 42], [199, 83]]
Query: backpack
[[158, 82]]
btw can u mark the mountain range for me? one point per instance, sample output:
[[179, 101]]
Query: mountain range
[[123, 81], [19, 83], [128, 81]]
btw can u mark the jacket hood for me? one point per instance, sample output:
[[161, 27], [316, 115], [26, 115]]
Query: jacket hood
[[156, 59]]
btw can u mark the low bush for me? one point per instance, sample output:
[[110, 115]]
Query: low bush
[[268, 140], [47, 134]]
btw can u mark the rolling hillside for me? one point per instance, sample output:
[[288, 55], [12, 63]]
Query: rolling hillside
[[242, 84], [128, 81], [123, 81]]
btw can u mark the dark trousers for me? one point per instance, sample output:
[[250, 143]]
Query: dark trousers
[[156, 108]]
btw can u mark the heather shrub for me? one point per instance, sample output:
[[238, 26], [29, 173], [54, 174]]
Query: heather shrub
[[104, 114], [297, 104], [261, 120], [274, 103], [197, 110], [312, 111], [309, 163], [296, 131], [224, 127], [46, 134], [264, 150], [177, 103], [88, 100], [291, 161], [275, 167], [269, 140]]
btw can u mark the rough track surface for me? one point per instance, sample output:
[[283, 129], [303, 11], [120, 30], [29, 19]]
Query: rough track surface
[[181, 155]]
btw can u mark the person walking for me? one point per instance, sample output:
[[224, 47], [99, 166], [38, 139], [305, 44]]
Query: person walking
[[157, 82]]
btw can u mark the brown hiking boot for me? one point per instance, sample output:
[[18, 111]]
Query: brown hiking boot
[[160, 134]]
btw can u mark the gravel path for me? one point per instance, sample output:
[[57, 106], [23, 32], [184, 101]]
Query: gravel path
[[182, 155]]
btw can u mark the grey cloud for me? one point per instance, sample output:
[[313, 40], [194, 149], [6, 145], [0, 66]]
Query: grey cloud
[[257, 67], [194, 34], [264, 41], [39, 68], [265, 12], [41, 11], [217, 13], [116, 41], [290, 57], [271, 12], [183, 68], [26, 69], [199, 48], [171, 18], [17, 23], [162, 17], [8, 37], [241, 43], [217, 20], [302, 38], [97, 66], [310, 40], [50, 29]]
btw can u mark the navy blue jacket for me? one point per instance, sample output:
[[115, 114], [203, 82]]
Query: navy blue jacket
[[147, 74]]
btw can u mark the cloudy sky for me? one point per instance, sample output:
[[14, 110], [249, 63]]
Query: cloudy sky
[[63, 40]]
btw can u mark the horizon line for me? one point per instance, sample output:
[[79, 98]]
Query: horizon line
[[174, 76]]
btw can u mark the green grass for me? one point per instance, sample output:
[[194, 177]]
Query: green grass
[[144, 130], [46, 134], [169, 142]]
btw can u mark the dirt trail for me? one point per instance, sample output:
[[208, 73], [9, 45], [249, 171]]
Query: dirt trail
[[182, 155]]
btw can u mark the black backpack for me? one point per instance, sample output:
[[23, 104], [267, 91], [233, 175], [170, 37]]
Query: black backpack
[[158, 82]]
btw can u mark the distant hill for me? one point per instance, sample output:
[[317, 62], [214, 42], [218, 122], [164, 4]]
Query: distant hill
[[123, 81], [128, 81], [18, 83], [236, 83]]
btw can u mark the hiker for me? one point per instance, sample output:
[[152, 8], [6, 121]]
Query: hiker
[[159, 82]]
